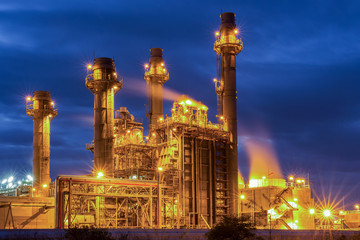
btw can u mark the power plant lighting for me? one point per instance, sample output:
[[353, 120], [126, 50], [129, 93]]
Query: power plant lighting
[[28, 98], [312, 211], [242, 196], [291, 178], [4, 181], [217, 33], [160, 169], [236, 31], [295, 199], [29, 177], [45, 185], [19, 182], [100, 175], [327, 213], [33, 189], [188, 102], [357, 206], [341, 212], [146, 66], [89, 66], [10, 179]]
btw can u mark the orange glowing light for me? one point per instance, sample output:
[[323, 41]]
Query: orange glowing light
[[312, 211], [146, 65], [215, 80], [236, 31], [28, 98], [160, 169], [263, 160], [242, 196], [45, 185], [89, 66], [52, 103], [217, 33], [33, 189], [115, 87], [50, 115], [100, 174], [162, 64], [128, 131], [357, 206], [291, 178], [161, 119]]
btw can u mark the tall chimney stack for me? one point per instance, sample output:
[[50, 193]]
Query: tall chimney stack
[[156, 75], [40, 108], [227, 46], [103, 82]]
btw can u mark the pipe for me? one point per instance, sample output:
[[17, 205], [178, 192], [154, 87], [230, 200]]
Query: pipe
[[104, 84], [41, 109], [227, 46]]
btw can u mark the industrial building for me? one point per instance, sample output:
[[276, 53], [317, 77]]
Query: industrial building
[[183, 174]]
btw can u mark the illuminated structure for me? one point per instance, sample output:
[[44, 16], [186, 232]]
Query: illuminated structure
[[278, 204], [40, 108], [155, 75], [103, 82], [227, 46]]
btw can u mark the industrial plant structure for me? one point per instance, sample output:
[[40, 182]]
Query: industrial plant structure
[[183, 174]]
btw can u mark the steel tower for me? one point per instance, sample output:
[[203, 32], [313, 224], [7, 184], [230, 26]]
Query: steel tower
[[41, 109], [227, 46], [103, 82], [156, 75]]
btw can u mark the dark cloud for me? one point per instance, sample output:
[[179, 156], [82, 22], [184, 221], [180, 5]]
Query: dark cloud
[[297, 75]]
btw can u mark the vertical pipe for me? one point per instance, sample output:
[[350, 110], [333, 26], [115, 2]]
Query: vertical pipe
[[156, 75], [41, 109], [104, 84], [227, 47]]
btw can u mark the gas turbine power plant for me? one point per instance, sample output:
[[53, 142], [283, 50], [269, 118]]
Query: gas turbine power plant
[[183, 174]]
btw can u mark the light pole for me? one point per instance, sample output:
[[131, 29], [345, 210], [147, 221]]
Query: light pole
[[160, 169]]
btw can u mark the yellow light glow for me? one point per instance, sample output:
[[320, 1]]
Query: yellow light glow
[[33, 189], [128, 131], [164, 70], [115, 74], [263, 177], [188, 102], [89, 66], [214, 80], [153, 134], [50, 115], [341, 212], [115, 87], [295, 199], [357, 206], [28, 98], [242, 196], [114, 135], [222, 118], [162, 64], [312, 211], [236, 31], [327, 213], [160, 169], [291, 178], [100, 175], [146, 138], [146, 65], [217, 33], [298, 180], [161, 119], [45, 185]]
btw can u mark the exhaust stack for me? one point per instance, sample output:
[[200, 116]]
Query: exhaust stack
[[156, 75], [103, 82], [227, 46], [40, 108]]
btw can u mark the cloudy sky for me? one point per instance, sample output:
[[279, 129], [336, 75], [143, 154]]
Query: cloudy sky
[[298, 77]]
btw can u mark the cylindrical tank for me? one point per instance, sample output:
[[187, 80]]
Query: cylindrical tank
[[104, 84], [227, 46], [156, 75], [41, 109]]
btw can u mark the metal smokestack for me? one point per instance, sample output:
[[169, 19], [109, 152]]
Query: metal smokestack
[[156, 75], [104, 84], [227, 46], [40, 108]]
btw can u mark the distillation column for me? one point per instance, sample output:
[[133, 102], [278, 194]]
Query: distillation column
[[227, 46], [156, 75], [40, 108], [104, 84]]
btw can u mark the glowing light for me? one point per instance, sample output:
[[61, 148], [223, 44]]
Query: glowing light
[[242, 196], [19, 182], [291, 178], [357, 206], [222, 118], [298, 180], [100, 175], [160, 169], [52, 103], [28, 98], [293, 225], [33, 189], [215, 80], [164, 70], [161, 119], [128, 131], [188, 102], [4, 181], [45, 185], [263, 177], [147, 138], [312, 211], [162, 64], [327, 213], [217, 33], [10, 179], [153, 134], [236, 31], [29, 177], [50, 115], [89, 66], [295, 199], [174, 129], [134, 177], [115, 73], [341, 212], [115, 87], [146, 65]]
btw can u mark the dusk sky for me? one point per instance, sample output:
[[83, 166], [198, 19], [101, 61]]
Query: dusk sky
[[297, 77]]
